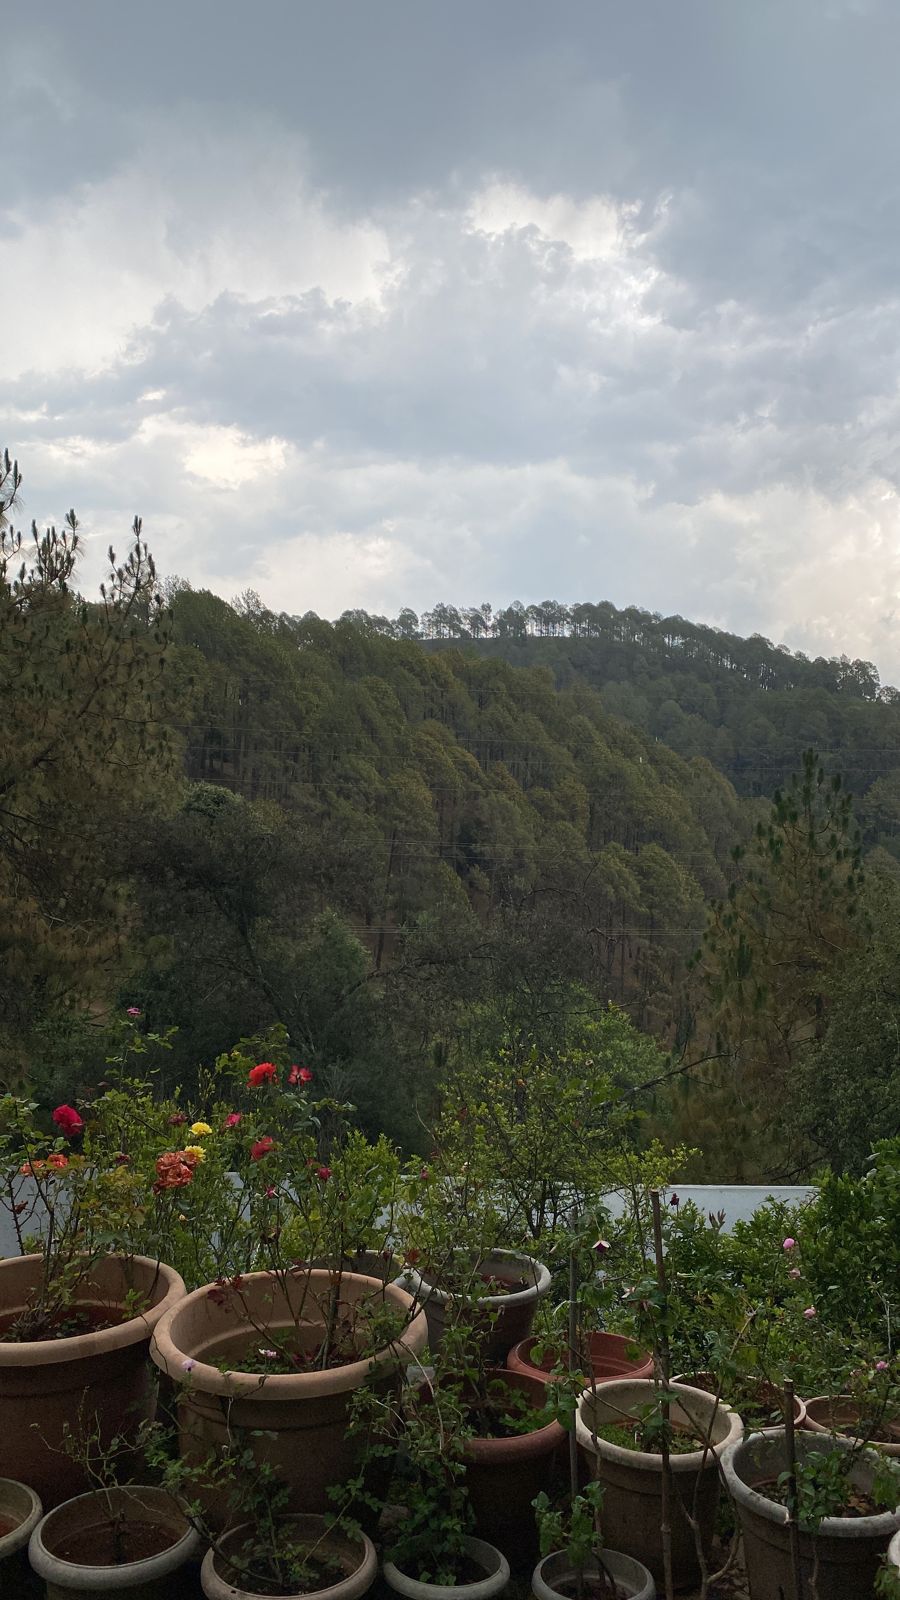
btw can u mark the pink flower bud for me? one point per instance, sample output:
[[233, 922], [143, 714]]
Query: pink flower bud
[[881, 1366], [795, 1273], [789, 1244], [809, 1313]]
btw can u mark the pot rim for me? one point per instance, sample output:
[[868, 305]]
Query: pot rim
[[880, 1525], [168, 1355], [624, 1569], [425, 1290], [496, 1575], [21, 1533], [364, 1573], [77, 1575], [52, 1352], [889, 1447], [522, 1353], [644, 1460], [536, 1442]]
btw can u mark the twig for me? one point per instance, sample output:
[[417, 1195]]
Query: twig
[[665, 1524], [791, 1452]]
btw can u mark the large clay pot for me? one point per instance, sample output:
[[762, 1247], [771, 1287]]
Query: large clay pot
[[297, 1422], [20, 1513], [612, 1356], [507, 1318], [71, 1548], [849, 1549], [766, 1393], [99, 1380], [494, 1566], [504, 1475], [555, 1578], [356, 1558], [632, 1479], [838, 1415]]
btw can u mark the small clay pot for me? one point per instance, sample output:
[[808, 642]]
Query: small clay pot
[[503, 1475], [84, 1521], [355, 1557], [838, 1416], [612, 1356], [507, 1318], [20, 1512]]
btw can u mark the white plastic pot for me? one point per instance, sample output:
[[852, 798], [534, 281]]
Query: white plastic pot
[[631, 1577], [494, 1565]]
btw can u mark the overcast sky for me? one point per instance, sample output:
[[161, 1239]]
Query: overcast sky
[[375, 303]]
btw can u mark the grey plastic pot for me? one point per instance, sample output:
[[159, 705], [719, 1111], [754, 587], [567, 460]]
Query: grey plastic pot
[[494, 1565], [849, 1549], [22, 1510], [508, 1317], [356, 1558], [632, 1579], [157, 1577], [632, 1479], [894, 1552]]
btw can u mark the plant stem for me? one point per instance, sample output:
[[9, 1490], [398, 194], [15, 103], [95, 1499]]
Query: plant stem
[[665, 1524], [791, 1452]]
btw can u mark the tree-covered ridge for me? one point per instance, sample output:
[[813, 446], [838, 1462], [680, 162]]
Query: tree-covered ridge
[[748, 706]]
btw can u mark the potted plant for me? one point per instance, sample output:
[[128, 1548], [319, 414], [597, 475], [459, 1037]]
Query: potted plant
[[870, 1411], [622, 1428], [430, 1543], [265, 1549], [604, 1355], [76, 1314], [278, 1352], [844, 1505], [115, 1541], [574, 1560], [20, 1513]]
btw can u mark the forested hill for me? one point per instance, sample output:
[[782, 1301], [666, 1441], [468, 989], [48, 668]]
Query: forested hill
[[748, 706], [424, 796]]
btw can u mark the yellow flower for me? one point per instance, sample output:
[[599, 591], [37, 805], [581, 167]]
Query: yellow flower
[[200, 1128], [195, 1150]]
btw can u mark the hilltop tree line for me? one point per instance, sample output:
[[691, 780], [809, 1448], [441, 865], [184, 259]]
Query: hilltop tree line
[[230, 818], [748, 706]]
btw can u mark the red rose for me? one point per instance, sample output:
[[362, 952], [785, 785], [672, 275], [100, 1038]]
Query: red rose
[[266, 1072], [68, 1121], [262, 1148], [324, 1173], [233, 1119], [300, 1075]]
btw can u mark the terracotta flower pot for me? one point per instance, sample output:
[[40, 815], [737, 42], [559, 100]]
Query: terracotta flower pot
[[838, 1415], [766, 1393], [494, 1566], [296, 1422], [612, 1356], [632, 1496], [101, 1379], [507, 1317], [20, 1513], [355, 1558], [849, 1549], [554, 1578], [72, 1550], [504, 1475]]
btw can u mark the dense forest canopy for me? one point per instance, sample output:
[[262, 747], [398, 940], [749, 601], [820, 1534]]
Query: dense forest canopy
[[748, 706], [418, 858]]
